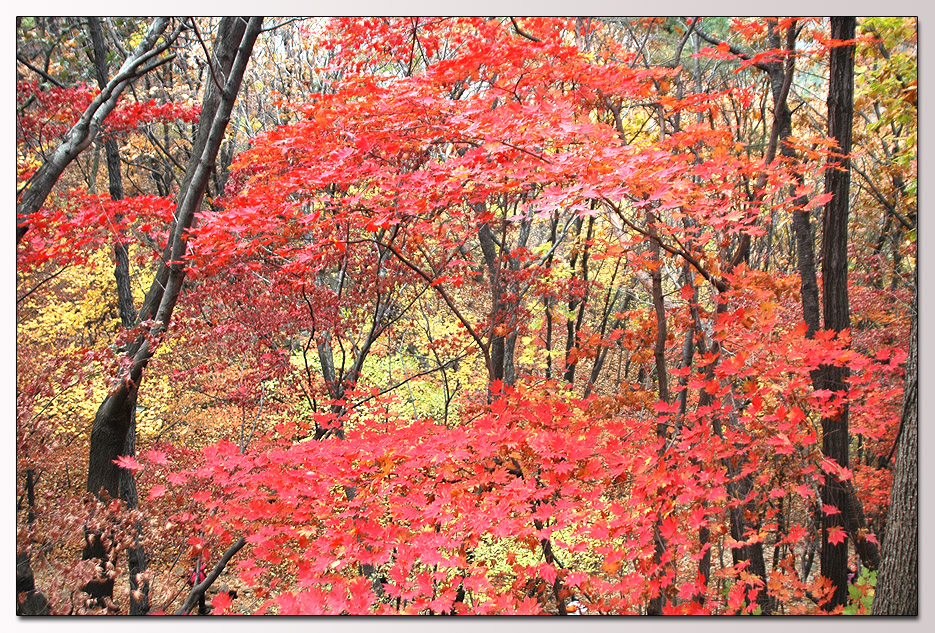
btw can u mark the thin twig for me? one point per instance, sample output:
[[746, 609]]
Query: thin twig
[[208, 55], [39, 71], [280, 25], [446, 365], [36, 287]]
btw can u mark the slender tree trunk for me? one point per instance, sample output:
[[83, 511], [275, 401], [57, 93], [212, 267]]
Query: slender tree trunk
[[570, 334], [497, 340], [805, 254], [509, 343], [659, 348], [834, 288], [115, 182], [576, 306], [139, 592], [548, 301]]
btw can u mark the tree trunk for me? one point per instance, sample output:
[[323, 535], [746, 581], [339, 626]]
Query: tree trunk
[[139, 592], [577, 306], [115, 181], [109, 432], [33, 602], [656, 604], [112, 422], [835, 310], [897, 589], [497, 343]]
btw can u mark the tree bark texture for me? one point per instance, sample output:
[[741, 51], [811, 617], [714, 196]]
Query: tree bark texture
[[780, 78], [497, 341], [112, 421], [897, 588], [835, 309], [115, 182]]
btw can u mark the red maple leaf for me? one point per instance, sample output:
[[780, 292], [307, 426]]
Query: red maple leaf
[[221, 603], [128, 462], [836, 535], [156, 457]]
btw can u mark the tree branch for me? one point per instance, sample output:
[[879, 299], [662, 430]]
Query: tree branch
[[445, 297], [882, 199], [448, 364], [207, 56], [199, 589], [520, 31], [36, 287], [39, 71], [83, 132], [717, 282], [710, 39]]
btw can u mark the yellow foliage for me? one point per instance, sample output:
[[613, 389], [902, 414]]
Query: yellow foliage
[[75, 312], [153, 405]]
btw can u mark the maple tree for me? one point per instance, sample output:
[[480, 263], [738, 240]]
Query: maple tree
[[478, 315]]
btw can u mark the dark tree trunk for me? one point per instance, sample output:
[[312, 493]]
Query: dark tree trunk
[[109, 433], [856, 521], [739, 489], [656, 604], [780, 77], [33, 602], [502, 342], [115, 181], [805, 255], [897, 589], [573, 325], [659, 347], [497, 342], [569, 375], [548, 301], [834, 287], [136, 555], [107, 442], [509, 343]]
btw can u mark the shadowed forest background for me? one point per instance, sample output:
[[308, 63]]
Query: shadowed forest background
[[466, 315]]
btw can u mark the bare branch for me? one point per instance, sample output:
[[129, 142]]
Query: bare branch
[[36, 287], [39, 71], [520, 31], [710, 39], [207, 56], [445, 297], [199, 589], [83, 132]]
